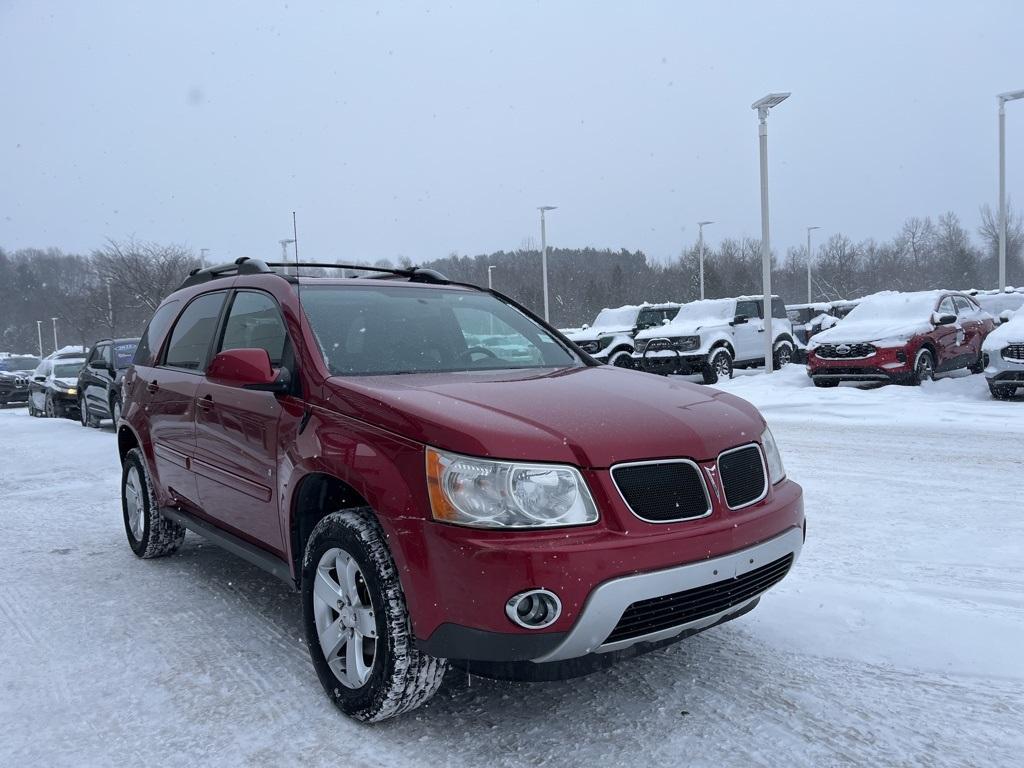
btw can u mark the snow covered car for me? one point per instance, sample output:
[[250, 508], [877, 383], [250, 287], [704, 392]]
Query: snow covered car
[[713, 336], [15, 375], [54, 387], [434, 501], [610, 338], [901, 338], [996, 303], [1004, 357], [809, 319]]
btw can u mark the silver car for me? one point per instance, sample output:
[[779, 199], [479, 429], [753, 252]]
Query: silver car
[[1004, 353]]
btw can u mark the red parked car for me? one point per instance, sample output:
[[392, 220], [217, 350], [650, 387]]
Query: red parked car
[[902, 338], [445, 478]]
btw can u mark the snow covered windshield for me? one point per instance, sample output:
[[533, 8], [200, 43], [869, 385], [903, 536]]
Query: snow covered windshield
[[18, 363], [895, 306], [707, 312], [364, 331], [620, 317], [66, 370]]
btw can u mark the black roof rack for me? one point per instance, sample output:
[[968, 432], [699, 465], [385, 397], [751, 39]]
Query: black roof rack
[[240, 266], [414, 274]]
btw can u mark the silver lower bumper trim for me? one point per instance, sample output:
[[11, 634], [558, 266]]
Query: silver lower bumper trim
[[607, 602]]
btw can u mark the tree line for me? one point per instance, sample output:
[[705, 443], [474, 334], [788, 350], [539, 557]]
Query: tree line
[[114, 290]]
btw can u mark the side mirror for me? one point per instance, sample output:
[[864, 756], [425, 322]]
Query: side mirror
[[38, 378], [938, 319], [739, 320], [665, 321], [248, 369], [1005, 315], [585, 326]]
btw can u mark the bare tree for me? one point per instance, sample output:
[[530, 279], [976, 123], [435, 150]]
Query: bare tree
[[142, 273]]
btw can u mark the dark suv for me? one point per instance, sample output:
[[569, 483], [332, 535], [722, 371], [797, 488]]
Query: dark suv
[[445, 478], [15, 376], [99, 382]]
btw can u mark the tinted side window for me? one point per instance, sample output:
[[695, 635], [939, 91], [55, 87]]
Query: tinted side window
[[100, 357], [154, 333], [649, 318], [255, 322], [778, 308], [190, 341], [963, 306], [748, 309], [946, 306]]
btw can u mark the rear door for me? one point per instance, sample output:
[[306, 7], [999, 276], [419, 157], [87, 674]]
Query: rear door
[[170, 393], [748, 337], [237, 429], [97, 376]]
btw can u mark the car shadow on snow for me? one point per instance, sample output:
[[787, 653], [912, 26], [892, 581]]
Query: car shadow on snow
[[667, 684]]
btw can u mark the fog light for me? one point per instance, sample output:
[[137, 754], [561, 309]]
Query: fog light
[[535, 609]]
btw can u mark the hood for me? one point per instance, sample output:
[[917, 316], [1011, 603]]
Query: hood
[[66, 382], [590, 417], [1010, 332], [593, 334], [870, 329]]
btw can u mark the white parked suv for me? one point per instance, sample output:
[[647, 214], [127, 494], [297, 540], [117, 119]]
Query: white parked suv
[[1003, 353], [610, 338], [713, 336]]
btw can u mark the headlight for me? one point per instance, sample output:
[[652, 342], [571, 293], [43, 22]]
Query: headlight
[[72, 391], [498, 494], [772, 457], [686, 343]]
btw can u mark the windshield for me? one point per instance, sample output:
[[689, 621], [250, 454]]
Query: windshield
[[66, 370], [620, 317], [19, 363], [891, 305], [408, 329], [706, 312]]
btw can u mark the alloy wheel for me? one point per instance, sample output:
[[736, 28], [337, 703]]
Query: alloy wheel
[[925, 369], [83, 412], [784, 356], [345, 622], [115, 411], [135, 508], [723, 366]]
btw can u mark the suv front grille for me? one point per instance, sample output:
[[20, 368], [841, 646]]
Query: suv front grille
[[658, 613], [743, 476], [844, 351], [1014, 351], [663, 491]]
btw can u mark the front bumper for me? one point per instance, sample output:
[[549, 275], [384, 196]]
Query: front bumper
[[668, 361], [886, 364], [999, 370], [14, 391]]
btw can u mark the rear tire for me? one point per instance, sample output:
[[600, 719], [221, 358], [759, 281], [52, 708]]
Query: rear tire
[[150, 534], [718, 365], [979, 365], [783, 355], [344, 613]]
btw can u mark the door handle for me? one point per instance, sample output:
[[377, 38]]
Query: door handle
[[152, 387], [205, 402]]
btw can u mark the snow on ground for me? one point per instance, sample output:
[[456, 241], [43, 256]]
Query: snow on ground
[[895, 641]]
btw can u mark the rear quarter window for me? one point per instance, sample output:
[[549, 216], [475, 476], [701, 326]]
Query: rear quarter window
[[149, 344]]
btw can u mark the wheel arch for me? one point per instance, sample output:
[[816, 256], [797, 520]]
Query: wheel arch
[[719, 344], [316, 495]]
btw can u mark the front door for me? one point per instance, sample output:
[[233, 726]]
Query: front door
[[95, 379], [947, 337], [749, 336], [237, 429]]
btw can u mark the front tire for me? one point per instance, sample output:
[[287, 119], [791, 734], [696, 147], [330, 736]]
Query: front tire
[[48, 407], [85, 416], [979, 365], [621, 359], [357, 624], [718, 365], [924, 367], [150, 534], [115, 409], [783, 356]]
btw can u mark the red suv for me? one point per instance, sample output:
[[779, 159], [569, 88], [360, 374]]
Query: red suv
[[901, 337], [445, 478]]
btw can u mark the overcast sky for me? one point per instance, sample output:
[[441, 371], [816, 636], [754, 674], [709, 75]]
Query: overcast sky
[[423, 129]]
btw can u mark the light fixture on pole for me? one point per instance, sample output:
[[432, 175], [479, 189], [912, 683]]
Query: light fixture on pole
[[700, 250], [54, 321], [39, 330], [544, 254], [809, 229], [284, 253], [762, 106], [1003, 98], [490, 280]]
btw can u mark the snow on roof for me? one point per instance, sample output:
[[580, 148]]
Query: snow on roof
[[884, 315], [625, 316], [1010, 331]]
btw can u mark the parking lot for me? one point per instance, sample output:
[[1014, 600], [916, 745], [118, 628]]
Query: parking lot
[[896, 640]]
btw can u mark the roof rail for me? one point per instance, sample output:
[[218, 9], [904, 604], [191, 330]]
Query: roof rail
[[414, 274], [240, 266]]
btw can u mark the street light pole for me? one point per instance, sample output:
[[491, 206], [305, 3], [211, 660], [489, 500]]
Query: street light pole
[[490, 287], [284, 254], [1003, 98], [202, 257], [544, 255], [762, 106], [54, 321], [700, 230], [809, 262], [39, 330]]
